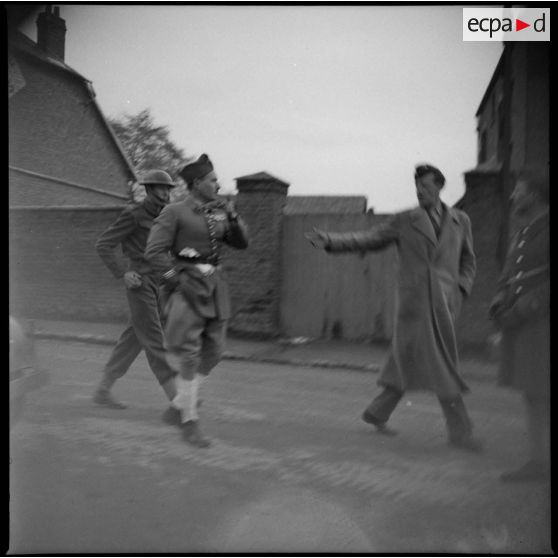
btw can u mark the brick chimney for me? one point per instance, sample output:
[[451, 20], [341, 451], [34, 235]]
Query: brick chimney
[[51, 32]]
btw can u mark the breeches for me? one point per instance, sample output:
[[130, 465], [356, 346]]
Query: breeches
[[195, 344], [143, 331]]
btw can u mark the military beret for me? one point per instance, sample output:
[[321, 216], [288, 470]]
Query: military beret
[[197, 169], [421, 170]]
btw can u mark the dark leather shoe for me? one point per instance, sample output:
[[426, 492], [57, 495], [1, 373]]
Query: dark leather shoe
[[172, 416], [530, 472], [467, 443], [104, 397], [192, 435], [381, 427]]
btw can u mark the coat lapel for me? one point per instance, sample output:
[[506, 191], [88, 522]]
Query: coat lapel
[[449, 221], [421, 222]]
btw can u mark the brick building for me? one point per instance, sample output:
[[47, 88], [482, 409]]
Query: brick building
[[513, 131], [68, 178]]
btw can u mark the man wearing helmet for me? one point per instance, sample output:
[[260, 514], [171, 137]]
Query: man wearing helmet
[[198, 308], [144, 330]]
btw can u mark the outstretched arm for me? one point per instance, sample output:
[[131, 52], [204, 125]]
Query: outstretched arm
[[376, 238]]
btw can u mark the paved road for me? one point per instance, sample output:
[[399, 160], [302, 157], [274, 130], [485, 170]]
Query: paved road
[[292, 468]]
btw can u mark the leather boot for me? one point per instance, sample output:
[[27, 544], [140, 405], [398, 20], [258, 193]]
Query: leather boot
[[104, 397], [460, 429], [192, 435], [172, 415], [381, 427], [380, 409]]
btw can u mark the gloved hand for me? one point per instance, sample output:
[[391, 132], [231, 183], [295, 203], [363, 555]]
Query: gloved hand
[[318, 239], [232, 213]]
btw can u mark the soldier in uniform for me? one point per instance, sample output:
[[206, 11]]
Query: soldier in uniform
[[437, 268], [184, 248], [521, 310], [144, 331]]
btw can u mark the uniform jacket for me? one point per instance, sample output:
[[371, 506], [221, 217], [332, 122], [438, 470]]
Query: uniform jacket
[[131, 230], [434, 275], [524, 296], [191, 225]]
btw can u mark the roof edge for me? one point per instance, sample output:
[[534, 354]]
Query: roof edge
[[492, 81]]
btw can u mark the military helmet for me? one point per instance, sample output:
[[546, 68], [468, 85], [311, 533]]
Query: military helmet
[[157, 177]]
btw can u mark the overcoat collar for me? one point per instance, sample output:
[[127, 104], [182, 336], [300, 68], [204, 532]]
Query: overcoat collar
[[452, 213], [421, 222]]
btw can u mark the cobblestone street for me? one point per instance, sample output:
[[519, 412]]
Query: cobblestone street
[[292, 468]]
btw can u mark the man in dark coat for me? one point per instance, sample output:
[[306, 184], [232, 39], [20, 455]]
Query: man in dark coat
[[184, 247], [437, 268], [521, 310], [144, 331]]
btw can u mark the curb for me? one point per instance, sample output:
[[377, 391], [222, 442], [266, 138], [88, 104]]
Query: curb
[[104, 340]]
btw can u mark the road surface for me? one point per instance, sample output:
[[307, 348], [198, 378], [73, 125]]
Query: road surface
[[292, 468]]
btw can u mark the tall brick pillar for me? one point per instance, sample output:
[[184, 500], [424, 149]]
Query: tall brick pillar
[[255, 273]]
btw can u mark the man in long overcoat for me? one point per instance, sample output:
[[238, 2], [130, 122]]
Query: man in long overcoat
[[436, 271], [521, 310], [184, 247]]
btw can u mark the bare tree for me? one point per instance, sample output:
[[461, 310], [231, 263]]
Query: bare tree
[[149, 146]]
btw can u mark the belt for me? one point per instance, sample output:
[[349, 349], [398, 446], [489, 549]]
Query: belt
[[204, 267]]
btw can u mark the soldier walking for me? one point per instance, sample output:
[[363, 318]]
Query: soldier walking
[[144, 331], [184, 248], [437, 268], [521, 310]]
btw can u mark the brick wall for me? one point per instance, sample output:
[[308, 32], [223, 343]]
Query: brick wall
[[55, 271], [255, 274], [55, 129]]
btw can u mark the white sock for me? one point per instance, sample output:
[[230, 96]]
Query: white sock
[[186, 398], [194, 398], [201, 379]]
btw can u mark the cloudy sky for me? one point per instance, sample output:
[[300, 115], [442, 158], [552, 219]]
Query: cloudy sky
[[332, 99]]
